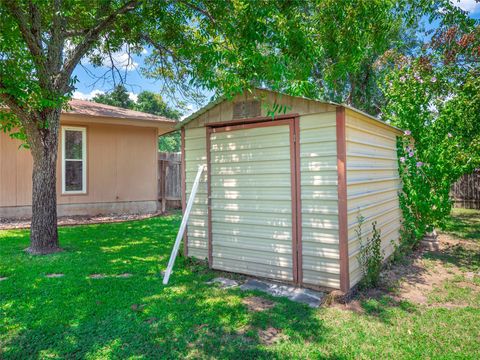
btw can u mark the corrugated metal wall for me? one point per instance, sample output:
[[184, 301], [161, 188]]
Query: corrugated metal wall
[[318, 158], [195, 155], [251, 201], [254, 227], [372, 184]]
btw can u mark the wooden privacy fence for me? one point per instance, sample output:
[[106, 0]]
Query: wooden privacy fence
[[169, 180], [466, 191]]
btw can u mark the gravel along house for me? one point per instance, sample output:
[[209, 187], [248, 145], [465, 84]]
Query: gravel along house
[[281, 196], [107, 163]]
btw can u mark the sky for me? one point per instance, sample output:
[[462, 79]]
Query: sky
[[88, 84]]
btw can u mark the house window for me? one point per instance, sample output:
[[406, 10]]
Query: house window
[[74, 160]]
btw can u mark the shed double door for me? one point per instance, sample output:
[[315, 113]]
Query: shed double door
[[253, 199]]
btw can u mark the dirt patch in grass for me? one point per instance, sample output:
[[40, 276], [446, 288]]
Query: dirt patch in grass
[[54, 275], [97, 276], [271, 336], [256, 303], [429, 278], [416, 279], [352, 305], [24, 223], [3, 278], [138, 307], [124, 275]]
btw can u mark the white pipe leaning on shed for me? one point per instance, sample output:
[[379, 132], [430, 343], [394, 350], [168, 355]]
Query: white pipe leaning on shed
[[183, 225]]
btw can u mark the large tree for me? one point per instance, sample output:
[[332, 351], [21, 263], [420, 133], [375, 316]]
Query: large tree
[[357, 35], [217, 44]]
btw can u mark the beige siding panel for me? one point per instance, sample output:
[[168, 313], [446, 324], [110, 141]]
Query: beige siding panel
[[121, 165], [24, 180], [8, 170], [251, 202], [372, 185], [121, 168], [196, 155], [318, 164], [136, 160]]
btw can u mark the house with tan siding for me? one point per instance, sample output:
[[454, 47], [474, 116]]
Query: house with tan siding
[[107, 163], [282, 195]]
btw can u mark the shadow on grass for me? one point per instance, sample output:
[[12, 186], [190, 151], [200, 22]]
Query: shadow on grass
[[78, 317], [462, 256], [465, 224], [463, 250]]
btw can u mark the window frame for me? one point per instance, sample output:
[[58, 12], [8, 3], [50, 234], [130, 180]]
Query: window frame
[[83, 130]]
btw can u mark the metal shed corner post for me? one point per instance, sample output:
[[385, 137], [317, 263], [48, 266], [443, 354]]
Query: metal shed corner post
[[184, 188], [342, 198], [209, 131]]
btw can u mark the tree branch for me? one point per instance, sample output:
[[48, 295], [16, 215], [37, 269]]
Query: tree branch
[[31, 36], [199, 9], [23, 114], [57, 39], [90, 37], [161, 48]]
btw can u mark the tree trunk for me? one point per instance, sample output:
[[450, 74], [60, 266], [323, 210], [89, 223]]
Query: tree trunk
[[44, 148]]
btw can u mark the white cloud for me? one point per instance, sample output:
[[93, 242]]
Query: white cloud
[[121, 60], [189, 110], [87, 96], [133, 96], [467, 5]]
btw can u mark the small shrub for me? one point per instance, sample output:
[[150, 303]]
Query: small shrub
[[370, 256]]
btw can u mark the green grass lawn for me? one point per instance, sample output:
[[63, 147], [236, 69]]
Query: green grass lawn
[[465, 223], [136, 317]]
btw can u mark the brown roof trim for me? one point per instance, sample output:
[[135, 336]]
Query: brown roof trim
[[90, 108]]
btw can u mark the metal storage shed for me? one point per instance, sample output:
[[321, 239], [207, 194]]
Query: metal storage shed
[[281, 196]]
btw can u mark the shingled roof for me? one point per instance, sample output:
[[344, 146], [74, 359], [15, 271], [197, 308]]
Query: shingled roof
[[90, 108]]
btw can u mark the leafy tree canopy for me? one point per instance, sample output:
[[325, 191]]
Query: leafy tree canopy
[[435, 96], [224, 45], [117, 97]]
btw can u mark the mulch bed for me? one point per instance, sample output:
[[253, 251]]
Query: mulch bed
[[9, 224]]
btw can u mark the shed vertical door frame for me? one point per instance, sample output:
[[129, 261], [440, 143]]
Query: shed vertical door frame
[[184, 188], [294, 135], [342, 199]]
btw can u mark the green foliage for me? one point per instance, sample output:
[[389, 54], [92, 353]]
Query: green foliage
[[370, 256], [436, 98], [117, 97], [170, 142], [355, 34], [152, 103]]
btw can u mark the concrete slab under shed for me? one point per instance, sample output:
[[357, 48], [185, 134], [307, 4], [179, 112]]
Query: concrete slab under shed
[[300, 295]]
